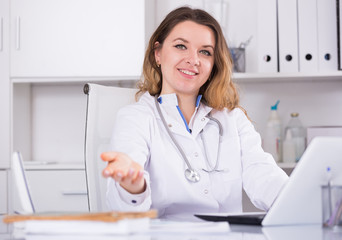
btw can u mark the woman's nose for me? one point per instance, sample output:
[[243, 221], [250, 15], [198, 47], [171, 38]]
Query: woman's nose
[[193, 59]]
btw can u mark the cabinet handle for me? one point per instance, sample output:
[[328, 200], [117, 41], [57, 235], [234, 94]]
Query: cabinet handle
[[1, 33], [17, 42], [71, 193]]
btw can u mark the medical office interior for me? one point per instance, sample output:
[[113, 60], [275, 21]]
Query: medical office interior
[[284, 50]]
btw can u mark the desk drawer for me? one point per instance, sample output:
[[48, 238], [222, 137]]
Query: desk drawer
[[58, 190]]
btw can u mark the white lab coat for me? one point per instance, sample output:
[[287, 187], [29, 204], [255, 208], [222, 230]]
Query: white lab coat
[[140, 133]]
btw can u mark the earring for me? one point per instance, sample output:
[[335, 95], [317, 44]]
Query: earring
[[158, 65]]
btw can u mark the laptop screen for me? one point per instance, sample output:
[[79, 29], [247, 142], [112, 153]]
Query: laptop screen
[[21, 187]]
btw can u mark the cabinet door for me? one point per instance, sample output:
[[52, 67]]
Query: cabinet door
[[3, 192], [58, 190], [4, 85], [75, 38]]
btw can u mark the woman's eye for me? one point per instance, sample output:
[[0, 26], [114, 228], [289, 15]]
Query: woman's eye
[[205, 52], [180, 46]]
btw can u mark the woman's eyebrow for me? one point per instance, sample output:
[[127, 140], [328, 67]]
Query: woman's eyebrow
[[181, 39], [186, 41], [208, 46]]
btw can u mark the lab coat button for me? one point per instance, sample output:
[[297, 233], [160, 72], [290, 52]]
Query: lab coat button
[[169, 125], [196, 154], [203, 119], [206, 191]]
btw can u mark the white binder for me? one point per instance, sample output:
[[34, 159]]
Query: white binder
[[327, 35], [267, 36], [307, 35], [340, 34], [287, 34]]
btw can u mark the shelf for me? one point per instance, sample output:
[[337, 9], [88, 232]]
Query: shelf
[[85, 79], [238, 77], [287, 77], [37, 165]]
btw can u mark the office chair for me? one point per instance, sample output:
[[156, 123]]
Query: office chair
[[103, 102]]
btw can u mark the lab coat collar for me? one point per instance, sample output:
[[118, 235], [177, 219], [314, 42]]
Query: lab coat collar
[[169, 103], [201, 120], [171, 99]]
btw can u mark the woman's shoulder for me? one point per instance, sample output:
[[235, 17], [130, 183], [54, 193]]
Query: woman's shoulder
[[236, 112]]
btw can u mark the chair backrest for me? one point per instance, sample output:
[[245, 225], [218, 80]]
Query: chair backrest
[[103, 102]]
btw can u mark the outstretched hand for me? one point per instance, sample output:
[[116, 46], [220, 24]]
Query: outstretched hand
[[125, 171]]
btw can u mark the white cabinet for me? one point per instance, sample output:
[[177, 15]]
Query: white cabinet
[[56, 189], [49, 121], [316, 97], [78, 38], [3, 192], [4, 85]]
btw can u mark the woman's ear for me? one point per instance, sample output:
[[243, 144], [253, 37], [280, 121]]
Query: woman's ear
[[157, 52]]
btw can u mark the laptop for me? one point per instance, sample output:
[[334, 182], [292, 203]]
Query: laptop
[[300, 201], [21, 186], [24, 204]]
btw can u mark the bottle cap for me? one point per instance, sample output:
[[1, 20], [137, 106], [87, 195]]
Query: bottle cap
[[275, 106], [294, 114]]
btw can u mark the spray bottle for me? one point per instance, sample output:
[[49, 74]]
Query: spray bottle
[[273, 137]]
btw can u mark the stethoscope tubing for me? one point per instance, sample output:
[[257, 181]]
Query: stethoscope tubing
[[171, 135], [190, 173]]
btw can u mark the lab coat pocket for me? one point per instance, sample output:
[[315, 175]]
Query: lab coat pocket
[[230, 159], [228, 191]]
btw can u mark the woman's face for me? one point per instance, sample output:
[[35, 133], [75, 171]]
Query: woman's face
[[186, 58]]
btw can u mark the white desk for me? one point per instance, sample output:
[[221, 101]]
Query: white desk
[[237, 232]]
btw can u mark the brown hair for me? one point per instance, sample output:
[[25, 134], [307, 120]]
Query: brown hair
[[219, 91]]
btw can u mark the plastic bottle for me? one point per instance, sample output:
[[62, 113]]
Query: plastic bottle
[[272, 140], [298, 134], [289, 148]]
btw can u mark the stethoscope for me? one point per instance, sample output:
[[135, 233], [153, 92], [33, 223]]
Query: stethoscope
[[190, 173]]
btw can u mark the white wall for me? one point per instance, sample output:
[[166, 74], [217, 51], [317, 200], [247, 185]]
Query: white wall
[[318, 102], [56, 115]]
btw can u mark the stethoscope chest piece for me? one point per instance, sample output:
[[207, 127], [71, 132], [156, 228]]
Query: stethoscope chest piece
[[192, 175]]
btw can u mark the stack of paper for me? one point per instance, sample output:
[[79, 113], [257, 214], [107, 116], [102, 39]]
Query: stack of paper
[[77, 228]]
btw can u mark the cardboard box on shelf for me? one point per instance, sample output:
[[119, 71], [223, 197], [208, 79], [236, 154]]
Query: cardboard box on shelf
[[328, 131]]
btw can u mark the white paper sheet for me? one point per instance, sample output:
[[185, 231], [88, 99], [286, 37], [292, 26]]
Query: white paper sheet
[[47, 227], [180, 227]]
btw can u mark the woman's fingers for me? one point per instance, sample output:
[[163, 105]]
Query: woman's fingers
[[117, 176], [115, 169], [134, 181], [124, 170], [139, 177], [117, 162], [109, 156], [120, 166]]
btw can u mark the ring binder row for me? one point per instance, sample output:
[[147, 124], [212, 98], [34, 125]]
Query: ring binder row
[[299, 35], [339, 33]]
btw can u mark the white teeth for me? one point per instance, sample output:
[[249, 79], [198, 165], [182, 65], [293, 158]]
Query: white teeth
[[188, 72]]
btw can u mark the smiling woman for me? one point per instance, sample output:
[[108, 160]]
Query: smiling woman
[[188, 56], [219, 91], [187, 146], [189, 59]]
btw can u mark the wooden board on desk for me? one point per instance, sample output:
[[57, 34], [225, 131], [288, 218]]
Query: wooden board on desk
[[103, 216]]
